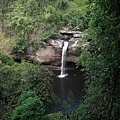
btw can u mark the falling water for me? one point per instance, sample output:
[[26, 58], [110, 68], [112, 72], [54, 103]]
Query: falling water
[[63, 74]]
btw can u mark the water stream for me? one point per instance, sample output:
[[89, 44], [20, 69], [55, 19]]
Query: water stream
[[63, 74]]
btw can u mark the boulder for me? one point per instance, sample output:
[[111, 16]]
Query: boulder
[[58, 43], [47, 54], [77, 35]]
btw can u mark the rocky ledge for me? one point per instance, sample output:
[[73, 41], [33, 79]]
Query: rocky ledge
[[51, 52]]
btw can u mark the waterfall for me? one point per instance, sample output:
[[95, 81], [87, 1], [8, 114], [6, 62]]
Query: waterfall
[[63, 74]]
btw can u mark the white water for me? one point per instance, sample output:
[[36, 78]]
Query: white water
[[63, 74]]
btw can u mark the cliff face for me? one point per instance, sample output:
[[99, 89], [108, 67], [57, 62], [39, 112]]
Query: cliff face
[[52, 50]]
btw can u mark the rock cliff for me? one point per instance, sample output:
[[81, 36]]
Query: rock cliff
[[52, 50]]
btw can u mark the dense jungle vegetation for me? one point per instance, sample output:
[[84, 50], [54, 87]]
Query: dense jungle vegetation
[[26, 88]]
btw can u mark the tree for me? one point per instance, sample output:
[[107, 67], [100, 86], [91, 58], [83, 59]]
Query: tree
[[29, 108], [18, 77], [102, 99]]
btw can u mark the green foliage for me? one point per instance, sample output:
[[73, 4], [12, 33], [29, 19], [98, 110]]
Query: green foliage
[[102, 99], [39, 80], [84, 112], [21, 77], [5, 59], [34, 20], [53, 16], [77, 15], [72, 19], [62, 4], [6, 44], [84, 59], [21, 21], [29, 108]]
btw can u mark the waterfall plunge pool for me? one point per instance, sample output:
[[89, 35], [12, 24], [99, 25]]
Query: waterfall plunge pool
[[67, 85], [68, 91]]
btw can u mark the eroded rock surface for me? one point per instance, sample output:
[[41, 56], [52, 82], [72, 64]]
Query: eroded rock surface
[[51, 52]]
